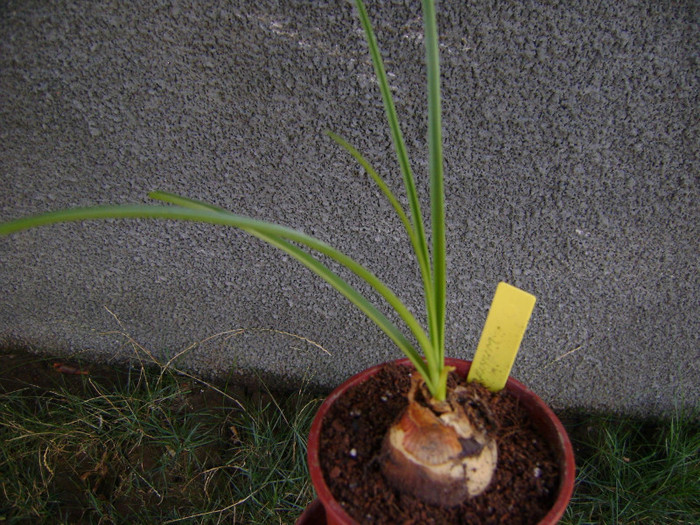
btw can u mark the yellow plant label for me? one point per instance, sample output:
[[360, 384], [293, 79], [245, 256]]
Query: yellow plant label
[[505, 327]]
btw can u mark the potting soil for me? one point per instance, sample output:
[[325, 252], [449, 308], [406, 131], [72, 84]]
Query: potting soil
[[523, 488]]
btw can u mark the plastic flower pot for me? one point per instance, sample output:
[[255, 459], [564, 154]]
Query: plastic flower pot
[[326, 510]]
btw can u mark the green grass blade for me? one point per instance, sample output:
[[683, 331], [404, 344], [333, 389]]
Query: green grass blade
[[434, 360], [437, 193]]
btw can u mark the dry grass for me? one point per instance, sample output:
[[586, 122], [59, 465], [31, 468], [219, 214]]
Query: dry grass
[[147, 445]]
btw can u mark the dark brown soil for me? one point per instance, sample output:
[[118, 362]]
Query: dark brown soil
[[522, 491]]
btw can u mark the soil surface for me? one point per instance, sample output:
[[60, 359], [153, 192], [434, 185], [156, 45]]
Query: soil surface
[[522, 491]]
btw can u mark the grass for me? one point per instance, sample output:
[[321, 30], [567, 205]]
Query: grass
[[147, 446], [637, 472], [151, 445]]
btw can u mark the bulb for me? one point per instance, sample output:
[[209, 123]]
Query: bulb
[[434, 452]]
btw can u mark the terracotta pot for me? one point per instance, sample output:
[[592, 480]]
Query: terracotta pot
[[326, 510]]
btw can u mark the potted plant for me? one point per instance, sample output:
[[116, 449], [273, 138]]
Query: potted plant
[[441, 447], [543, 488]]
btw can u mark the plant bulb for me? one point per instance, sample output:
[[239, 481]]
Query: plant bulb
[[435, 452]]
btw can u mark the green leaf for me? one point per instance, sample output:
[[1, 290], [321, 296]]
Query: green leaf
[[435, 357], [188, 209], [437, 192], [432, 272], [418, 248]]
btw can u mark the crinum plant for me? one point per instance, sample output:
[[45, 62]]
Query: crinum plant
[[432, 450]]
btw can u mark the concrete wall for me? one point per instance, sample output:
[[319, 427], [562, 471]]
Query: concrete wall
[[571, 171]]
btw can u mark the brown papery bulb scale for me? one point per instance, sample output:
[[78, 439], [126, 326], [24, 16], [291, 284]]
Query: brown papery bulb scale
[[434, 452]]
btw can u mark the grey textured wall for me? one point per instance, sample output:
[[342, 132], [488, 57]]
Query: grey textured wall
[[571, 171]]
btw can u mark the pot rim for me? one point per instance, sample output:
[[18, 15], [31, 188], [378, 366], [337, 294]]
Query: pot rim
[[548, 422]]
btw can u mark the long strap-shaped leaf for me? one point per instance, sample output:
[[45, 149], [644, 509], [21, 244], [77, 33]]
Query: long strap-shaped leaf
[[315, 244], [415, 241], [437, 192], [273, 233], [279, 236], [434, 359], [324, 272]]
